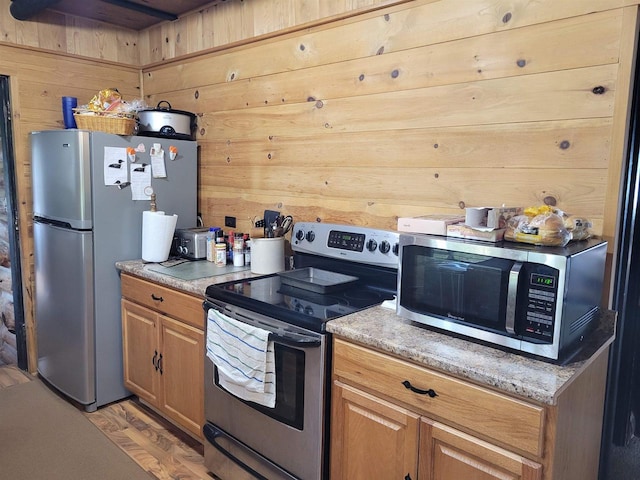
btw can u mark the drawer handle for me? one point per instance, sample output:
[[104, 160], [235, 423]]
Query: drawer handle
[[157, 299], [431, 392], [408, 477], [153, 360], [160, 364]]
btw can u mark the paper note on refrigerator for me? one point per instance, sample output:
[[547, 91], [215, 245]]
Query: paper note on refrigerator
[[157, 161], [115, 166], [140, 180]]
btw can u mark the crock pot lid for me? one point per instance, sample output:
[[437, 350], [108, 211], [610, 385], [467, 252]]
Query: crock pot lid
[[167, 109]]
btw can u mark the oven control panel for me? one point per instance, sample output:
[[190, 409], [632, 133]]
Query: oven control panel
[[347, 242]]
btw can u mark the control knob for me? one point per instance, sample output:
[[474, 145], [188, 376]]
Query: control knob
[[372, 245], [311, 236], [385, 247], [299, 235], [396, 249]]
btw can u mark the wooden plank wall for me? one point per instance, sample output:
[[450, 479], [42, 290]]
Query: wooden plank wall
[[38, 80], [68, 34], [233, 21], [423, 107]]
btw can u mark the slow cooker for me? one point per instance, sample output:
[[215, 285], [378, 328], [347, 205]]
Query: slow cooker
[[165, 122]]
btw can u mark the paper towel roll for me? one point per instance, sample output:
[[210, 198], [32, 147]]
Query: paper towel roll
[[157, 235]]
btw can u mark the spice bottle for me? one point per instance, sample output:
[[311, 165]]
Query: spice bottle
[[247, 249], [230, 240], [238, 250], [221, 254], [211, 242]]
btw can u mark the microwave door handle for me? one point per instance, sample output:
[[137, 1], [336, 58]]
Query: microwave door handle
[[512, 295]]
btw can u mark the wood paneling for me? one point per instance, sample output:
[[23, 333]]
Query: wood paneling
[[420, 107], [73, 35], [238, 21]]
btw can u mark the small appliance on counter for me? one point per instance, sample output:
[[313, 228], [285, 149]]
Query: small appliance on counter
[[190, 243], [533, 299], [339, 269]]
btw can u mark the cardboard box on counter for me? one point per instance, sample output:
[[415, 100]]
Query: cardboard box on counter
[[490, 217], [461, 230], [435, 224]]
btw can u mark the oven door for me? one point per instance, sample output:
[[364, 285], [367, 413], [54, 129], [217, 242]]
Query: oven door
[[248, 440]]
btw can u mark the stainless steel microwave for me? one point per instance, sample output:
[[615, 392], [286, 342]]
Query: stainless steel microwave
[[539, 300]]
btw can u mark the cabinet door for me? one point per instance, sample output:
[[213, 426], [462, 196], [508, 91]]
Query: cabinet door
[[371, 438], [448, 454], [140, 350], [182, 372]]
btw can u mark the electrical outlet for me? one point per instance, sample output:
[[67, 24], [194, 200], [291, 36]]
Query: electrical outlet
[[230, 222]]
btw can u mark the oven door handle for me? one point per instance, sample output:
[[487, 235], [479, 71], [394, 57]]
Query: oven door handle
[[293, 340], [212, 435]]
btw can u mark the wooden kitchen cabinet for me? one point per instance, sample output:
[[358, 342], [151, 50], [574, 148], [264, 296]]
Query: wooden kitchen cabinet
[[450, 428], [374, 438], [163, 348], [446, 453], [371, 438]]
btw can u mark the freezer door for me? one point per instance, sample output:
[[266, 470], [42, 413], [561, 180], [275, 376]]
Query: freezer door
[[61, 176], [64, 310]]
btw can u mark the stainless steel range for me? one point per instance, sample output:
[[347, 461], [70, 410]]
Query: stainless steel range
[[338, 270]]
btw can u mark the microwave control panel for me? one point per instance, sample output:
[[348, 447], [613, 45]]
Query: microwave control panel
[[538, 318]]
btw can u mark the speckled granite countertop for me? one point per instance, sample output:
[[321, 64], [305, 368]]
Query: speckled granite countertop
[[197, 286], [516, 374], [381, 328]]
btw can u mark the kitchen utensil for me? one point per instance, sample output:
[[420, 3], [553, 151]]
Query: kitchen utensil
[[163, 121], [270, 217], [286, 223]]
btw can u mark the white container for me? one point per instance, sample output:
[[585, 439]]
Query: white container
[[267, 255], [157, 235]]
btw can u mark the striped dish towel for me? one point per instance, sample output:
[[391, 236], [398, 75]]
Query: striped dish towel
[[244, 357]]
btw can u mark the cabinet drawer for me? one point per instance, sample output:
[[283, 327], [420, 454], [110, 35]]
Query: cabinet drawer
[[512, 422], [164, 300]]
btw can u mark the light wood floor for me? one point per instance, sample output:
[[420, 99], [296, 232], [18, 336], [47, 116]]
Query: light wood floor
[[160, 448]]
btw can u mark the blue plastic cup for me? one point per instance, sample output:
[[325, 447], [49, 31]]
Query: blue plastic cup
[[68, 104]]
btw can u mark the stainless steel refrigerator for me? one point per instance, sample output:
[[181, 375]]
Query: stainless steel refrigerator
[[85, 220]]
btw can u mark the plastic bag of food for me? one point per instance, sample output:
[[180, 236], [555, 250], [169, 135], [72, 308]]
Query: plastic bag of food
[[578, 227], [538, 226], [109, 103], [106, 100]]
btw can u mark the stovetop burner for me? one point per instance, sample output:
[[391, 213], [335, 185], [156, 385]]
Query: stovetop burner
[[369, 254], [268, 296]]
